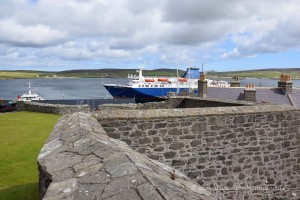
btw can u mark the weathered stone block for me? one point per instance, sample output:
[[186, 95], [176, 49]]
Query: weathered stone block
[[242, 176], [187, 137], [285, 155], [194, 174], [257, 158], [145, 126], [241, 160], [230, 136], [199, 126], [271, 146], [285, 144], [187, 123], [154, 157], [237, 169], [215, 128], [176, 146], [195, 143], [224, 171], [170, 154], [160, 125], [209, 172], [152, 132], [249, 133], [159, 148], [156, 139], [219, 157], [178, 162], [144, 140], [175, 131], [239, 120], [136, 134]]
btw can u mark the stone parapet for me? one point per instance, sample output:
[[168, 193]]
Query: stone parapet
[[244, 152], [79, 161], [136, 106], [108, 115], [51, 108]]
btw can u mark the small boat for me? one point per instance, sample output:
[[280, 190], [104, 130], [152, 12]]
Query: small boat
[[29, 96], [163, 79], [183, 79]]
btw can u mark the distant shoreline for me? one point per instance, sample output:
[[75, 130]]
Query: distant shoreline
[[123, 73]]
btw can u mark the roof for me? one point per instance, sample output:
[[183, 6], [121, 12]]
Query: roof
[[296, 96], [263, 94]]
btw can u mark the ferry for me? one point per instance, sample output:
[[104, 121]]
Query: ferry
[[147, 88], [29, 96]]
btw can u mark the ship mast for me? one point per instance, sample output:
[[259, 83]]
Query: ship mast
[[29, 88], [177, 80], [189, 77]]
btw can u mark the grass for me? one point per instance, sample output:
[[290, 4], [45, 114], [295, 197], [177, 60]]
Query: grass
[[22, 136], [16, 75]]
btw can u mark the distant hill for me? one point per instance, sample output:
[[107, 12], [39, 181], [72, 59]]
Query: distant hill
[[123, 73], [261, 73], [87, 73]]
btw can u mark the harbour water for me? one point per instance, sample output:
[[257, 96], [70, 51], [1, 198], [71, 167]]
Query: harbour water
[[84, 88]]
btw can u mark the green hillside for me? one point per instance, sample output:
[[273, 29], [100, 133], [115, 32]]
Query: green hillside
[[99, 73], [123, 73], [265, 73]]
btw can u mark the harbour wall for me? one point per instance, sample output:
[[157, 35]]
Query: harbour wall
[[51, 108], [242, 152], [177, 102]]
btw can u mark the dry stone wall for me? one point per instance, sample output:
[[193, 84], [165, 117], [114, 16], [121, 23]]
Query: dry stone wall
[[176, 102], [51, 108], [246, 152]]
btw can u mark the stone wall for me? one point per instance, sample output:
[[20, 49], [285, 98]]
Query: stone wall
[[196, 102], [176, 102], [245, 152], [79, 161], [51, 108], [135, 106]]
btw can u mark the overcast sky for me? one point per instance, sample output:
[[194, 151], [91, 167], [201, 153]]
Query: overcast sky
[[55, 35]]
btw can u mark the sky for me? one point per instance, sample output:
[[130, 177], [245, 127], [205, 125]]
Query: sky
[[225, 35]]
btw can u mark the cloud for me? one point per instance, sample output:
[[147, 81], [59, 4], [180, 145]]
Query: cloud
[[167, 31], [29, 36]]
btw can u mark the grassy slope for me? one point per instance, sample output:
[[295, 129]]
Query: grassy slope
[[22, 136], [268, 73], [113, 73], [9, 75], [122, 73]]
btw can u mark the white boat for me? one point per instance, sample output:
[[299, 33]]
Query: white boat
[[29, 96], [142, 87]]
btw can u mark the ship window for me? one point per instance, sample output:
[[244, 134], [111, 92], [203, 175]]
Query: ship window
[[146, 85], [142, 85], [155, 85]]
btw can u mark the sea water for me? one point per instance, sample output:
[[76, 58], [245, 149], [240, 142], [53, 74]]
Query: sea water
[[84, 88]]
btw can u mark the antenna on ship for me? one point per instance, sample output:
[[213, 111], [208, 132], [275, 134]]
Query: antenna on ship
[[29, 88], [177, 80], [189, 77]]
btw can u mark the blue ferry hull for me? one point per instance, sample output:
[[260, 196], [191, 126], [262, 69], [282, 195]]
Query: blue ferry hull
[[141, 93]]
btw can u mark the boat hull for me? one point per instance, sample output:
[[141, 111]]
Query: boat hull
[[118, 91]]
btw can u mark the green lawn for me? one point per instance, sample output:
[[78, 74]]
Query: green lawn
[[22, 135]]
